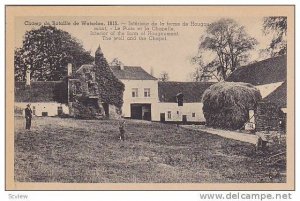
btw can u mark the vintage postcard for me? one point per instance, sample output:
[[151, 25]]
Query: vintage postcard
[[150, 98]]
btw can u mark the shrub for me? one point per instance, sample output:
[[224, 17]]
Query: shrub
[[83, 111]]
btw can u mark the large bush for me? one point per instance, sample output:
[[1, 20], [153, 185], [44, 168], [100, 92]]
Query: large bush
[[226, 104]]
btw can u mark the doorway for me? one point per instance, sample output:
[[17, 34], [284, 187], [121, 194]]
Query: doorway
[[162, 117], [184, 119], [140, 111]]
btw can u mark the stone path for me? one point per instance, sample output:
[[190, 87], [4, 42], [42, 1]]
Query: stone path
[[250, 138]]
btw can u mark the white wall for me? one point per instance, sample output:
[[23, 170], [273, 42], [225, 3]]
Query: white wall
[[141, 85], [50, 107], [266, 89], [186, 109]]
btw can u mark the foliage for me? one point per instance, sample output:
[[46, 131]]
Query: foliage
[[110, 87], [226, 104], [277, 26], [93, 86], [230, 44], [48, 50], [61, 91], [203, 72], [83, 111], [116, 62], [164, 76]]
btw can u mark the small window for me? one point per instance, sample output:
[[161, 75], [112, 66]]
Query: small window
[[135, 92], [177, 112], [169, 115], [193, 114], [147, 92]]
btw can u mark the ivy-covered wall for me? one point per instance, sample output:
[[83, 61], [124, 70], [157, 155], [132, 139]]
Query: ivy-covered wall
[[110, 88], [94, 85]]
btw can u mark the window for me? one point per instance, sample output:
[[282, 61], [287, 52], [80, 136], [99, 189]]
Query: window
[[169, 115], [177, 112], [193, 114], [33, 110], [147, 92], [135, 92]]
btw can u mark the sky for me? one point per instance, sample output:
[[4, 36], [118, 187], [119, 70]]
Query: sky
[[172, 55]]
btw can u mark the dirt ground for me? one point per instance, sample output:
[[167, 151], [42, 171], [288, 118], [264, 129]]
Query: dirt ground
[[89, 151]]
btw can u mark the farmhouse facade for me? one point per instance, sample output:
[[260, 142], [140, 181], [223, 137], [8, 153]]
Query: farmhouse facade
[[144, 97], [140, 94], [181, 102], [44, 98]]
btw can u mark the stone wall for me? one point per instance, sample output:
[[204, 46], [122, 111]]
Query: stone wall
[[268, 117]]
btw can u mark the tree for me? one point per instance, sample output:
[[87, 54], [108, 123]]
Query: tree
[[116, 62], [229, 42], [277, 26], [203, 72], [164, 76], [47, 51]]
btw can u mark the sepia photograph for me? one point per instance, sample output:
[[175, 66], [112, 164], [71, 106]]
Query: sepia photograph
[[150, 97]]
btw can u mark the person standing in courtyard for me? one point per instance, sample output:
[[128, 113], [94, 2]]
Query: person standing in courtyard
[[122, 131], [28, 116]]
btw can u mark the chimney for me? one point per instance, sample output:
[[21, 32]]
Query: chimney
[[28, 75], [121, 66], [151, 71], [69, 69]]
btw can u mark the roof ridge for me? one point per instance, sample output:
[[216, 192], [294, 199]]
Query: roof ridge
[[261, 61]]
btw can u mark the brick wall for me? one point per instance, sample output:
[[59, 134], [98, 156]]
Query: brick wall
[[268, 116]]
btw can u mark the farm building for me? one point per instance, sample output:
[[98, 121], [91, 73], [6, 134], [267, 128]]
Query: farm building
[[140, 95], [180, 102], [144, 97], [94, 91], [148, 99], [44, 96], [269, 76]]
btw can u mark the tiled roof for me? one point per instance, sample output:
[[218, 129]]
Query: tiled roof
[[192, 91], [131, 73], [278, 96], [38, 91], [268, 71], [128, 73]]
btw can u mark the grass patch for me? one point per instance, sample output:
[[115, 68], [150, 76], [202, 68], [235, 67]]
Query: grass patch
[[88, 151]]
